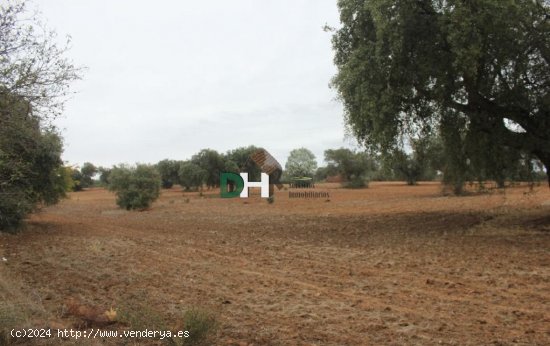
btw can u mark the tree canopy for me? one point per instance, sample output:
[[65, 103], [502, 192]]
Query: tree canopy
[[301, 163], [350, 165], [212, 163], [477, 72], [136, 187], [31, 170], [191, 175], [34, 78], [168, 170], [32, 64], [241, 158]]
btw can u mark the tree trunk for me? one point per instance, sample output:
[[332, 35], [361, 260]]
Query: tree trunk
[[545, 159]]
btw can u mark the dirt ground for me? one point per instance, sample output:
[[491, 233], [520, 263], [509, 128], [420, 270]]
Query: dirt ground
[[387, 265]]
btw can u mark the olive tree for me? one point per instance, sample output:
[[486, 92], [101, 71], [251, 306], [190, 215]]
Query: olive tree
[[136, 187], [350, 165], [168, 170], [34, 80], [241, 158], [31, 169], [212, 163], [191, 175]]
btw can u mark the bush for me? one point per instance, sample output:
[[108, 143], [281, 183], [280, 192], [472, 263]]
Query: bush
[[135, 187], [201, 326], [352, 166], [357, 183]]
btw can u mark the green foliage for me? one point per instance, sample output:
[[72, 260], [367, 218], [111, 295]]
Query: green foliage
[[139, 316], [191, 175], [241, 158], [231, 166], [455, 171], [65, 180], [31, 169], [135, 187], [407, 166], [357, 182], [168, 170], [321, 173], [212, 163], [32, 64], [34, 79], [88, 172], [301, 163], [429, 152], [83, 178], [423, 163], [463, 69], [201, 326], [104, 176], [78, 179], [352, 166]]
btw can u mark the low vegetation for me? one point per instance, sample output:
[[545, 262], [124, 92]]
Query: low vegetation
[[136, 187]]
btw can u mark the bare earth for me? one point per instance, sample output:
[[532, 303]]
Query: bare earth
[[391, 264]]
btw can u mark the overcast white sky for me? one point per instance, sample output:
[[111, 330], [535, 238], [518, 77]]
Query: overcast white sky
[[168, 78]]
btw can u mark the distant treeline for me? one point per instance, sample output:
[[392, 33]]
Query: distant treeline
[[424, 160]]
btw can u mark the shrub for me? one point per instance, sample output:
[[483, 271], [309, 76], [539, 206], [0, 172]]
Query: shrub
[[357, 183], [138, 315], [201, 326], [352, 166], [135, 187]]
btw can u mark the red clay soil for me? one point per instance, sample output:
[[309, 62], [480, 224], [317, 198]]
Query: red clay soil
[[387, 265]]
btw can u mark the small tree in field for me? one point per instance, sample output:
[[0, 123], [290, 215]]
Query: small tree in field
[[241, 158], [191, 176], [168, 170], [88, 171], [104, 176], [301, 163], [135, 187], [407, 166], [211, 162], [352, 166]]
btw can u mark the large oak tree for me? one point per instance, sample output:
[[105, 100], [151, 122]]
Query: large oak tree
[[477, 71]]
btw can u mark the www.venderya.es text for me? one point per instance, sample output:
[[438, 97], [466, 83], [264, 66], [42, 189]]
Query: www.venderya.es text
[[97, 333]]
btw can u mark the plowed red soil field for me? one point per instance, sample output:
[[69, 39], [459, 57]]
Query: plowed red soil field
[[387, 265]]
